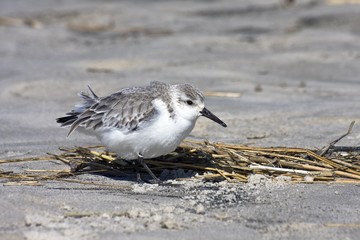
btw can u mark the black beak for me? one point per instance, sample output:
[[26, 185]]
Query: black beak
[[208, 114]]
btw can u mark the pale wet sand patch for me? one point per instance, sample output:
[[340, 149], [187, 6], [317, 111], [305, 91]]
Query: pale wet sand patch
[[118, 65]]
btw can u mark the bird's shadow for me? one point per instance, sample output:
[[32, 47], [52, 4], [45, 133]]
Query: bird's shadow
[[127, 171]]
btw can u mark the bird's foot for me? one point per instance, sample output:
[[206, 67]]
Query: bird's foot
[[155, 181]]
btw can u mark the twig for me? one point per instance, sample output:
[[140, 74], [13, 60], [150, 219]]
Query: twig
[[302, 172], [349, 225], [223, 94], [331, 145], [345, 148]]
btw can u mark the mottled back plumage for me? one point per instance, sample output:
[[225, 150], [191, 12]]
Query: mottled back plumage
[[126, 109]]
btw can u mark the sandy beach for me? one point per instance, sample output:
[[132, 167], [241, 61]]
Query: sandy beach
[[278, 73]]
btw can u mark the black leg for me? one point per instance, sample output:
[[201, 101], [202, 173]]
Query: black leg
[[138, 177], [143, 164], [135, 164]]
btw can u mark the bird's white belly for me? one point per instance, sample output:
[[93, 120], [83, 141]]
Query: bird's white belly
[[157, 139]]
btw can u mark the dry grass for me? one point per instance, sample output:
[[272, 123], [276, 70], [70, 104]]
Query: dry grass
[[213, 161]]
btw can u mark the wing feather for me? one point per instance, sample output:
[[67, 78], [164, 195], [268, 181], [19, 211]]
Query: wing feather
[[117, 111], [127, 109]]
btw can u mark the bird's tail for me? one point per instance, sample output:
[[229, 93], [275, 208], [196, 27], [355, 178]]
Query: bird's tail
[[71, 117]]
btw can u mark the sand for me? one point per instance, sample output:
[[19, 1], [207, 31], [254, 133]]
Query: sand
[[287, 75]]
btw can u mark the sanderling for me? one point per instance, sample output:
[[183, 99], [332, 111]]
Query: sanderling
[[140, 122]]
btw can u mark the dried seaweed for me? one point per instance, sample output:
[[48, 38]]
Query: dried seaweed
[[213, 161]]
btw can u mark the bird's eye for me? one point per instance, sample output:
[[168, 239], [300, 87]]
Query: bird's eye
[[189, 102]]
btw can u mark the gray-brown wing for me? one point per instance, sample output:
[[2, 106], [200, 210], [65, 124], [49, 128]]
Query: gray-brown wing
[[123, 110]]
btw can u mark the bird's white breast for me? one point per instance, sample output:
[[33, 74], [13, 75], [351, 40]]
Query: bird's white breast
[[160, 137]]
